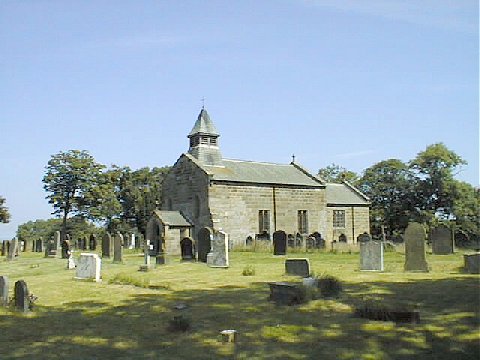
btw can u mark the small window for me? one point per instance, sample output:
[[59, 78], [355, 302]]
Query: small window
[[338, 218], [213, 141], [303, 221], [204, 140], [264, 221]]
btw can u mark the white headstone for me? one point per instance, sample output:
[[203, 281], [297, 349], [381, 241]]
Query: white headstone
[[89, 267], [218, 255]]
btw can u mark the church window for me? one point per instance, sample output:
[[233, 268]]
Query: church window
[[302, 221], [213, 141], [264, 221], [204, 140], [194, 141], [338, 218]]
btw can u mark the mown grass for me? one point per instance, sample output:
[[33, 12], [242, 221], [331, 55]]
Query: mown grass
[[127, 315]]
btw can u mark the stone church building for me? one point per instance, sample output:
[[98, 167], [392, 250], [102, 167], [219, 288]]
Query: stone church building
[[248, 199]]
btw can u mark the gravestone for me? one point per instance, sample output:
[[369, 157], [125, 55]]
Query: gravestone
[[472, 263], [146, 251], [4, 247], [204, 243], [415, 258], [364, 237], [218, 255], [13, 250], [279, 242], [342, 238], [39, 245], [297, 267], [186, 247], [310, 242], [319, 241], [371, 256], [290, 241], [92, 242], [56, 240], [442, 240], [3, 291], [71, 262], [284, 293], [118, 247], [106, 245], [50, 250], [22, 301], [132, 242], [89, 267], [66, 249]]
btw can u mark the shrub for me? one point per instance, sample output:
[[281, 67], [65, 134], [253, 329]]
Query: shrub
[[249, 270], [329, 286]]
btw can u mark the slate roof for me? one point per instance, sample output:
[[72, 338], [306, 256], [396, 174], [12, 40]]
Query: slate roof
[[262, 173], [345, 194], [172, 218], [203, 125]]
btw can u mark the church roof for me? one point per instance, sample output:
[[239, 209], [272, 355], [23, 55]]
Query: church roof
[[345, 194], [203, 125], [172, 218], [261, 173]]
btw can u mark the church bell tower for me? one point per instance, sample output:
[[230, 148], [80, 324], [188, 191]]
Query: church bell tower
[[204, 141]]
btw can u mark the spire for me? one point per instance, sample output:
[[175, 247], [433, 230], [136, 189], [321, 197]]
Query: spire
[[204, 140], [204, 125]]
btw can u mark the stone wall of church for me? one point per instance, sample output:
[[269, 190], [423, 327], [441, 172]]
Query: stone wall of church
[[357, 222], [235, 208], [185, 189]]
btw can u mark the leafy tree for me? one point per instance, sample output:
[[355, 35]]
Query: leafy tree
[[336, 174], [466, 208], [106, 197], [389, 186], [69, 178], [140, 192], [4, 214], [434, 169]]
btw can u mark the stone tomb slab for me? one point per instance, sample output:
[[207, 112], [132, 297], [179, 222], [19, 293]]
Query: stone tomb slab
[[371, 256], [472, 263], [297, 267], [89, 267]]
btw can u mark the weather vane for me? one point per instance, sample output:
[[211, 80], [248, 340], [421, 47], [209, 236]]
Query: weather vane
[[203, 103], [293, 158]]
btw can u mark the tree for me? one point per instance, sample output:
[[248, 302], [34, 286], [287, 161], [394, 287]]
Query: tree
[[466, 208], [140, 192], [389, 186], [336, 174], [434, 169], [69, 178], [4, 214]]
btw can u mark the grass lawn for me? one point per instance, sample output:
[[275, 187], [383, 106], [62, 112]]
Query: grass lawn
[[126, 316]]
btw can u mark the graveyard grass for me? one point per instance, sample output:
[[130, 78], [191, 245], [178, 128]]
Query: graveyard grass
[[126, 316]]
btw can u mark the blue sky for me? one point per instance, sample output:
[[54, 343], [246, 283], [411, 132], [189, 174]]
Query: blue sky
[[331, 81]]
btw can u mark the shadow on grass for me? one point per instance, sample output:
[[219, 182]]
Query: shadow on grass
[[138, 327]]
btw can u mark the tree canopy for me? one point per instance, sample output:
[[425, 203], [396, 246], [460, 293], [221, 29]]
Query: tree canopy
[[4, 214], [69, 179]]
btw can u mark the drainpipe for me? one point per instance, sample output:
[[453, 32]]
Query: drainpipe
[[274, 210], [353, 224]]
